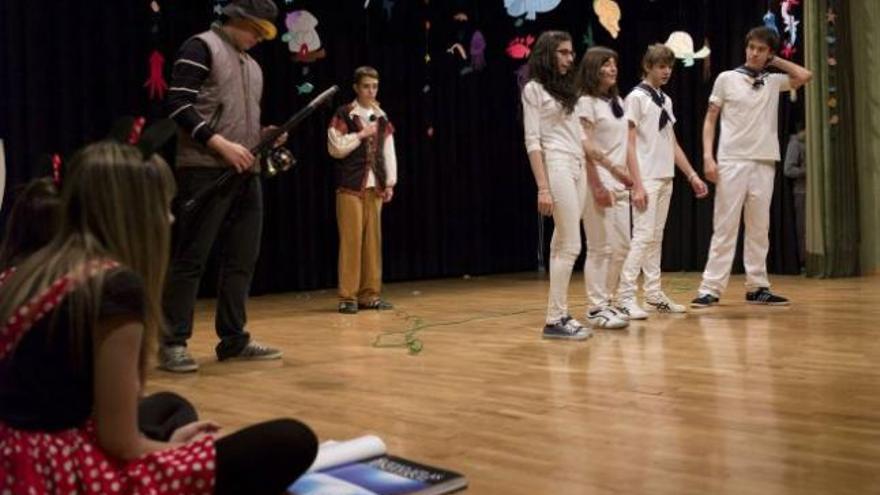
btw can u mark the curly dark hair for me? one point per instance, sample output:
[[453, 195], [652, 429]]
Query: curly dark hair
[[543, 68], [587, 79]]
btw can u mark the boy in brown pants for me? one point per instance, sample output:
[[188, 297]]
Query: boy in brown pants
[[361, 140]]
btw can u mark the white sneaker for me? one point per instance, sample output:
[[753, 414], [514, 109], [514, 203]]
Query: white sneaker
[[605, 318], [662, 304], [632, 310], [620, 312]]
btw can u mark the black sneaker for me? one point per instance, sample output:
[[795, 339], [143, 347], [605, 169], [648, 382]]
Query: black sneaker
[[176, 359], [378, 304], [348, 307], [704, 301], [764, 296], [254, 351]]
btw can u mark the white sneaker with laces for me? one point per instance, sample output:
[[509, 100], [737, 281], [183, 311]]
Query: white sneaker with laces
[[605, 318], [662, 304], [632, 309]]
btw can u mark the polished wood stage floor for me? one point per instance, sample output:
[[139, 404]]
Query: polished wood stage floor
[[736, 399]]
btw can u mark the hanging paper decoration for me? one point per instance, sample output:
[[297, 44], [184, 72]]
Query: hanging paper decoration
[[218, 8], [305, 88], [831, 40], [460, 17], [388, 6], [770, 21], [609, 15], [426, 90], [530, 8], [302, 37], [830, 16], [520, 47], [791, 24], [155, 83], [682, 45], [478, 51], [457, 49], [587, 40]]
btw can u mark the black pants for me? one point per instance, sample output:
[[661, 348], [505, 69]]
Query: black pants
[[264, 458], [162, 413], [233, 218]]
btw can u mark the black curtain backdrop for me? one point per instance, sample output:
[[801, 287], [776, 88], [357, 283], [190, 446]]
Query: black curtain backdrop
[[465, 203]]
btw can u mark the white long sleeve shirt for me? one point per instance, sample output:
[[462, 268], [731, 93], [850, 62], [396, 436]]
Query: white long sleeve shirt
[[547, 126]]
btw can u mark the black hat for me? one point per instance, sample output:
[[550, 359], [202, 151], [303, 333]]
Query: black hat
[[261, 12]]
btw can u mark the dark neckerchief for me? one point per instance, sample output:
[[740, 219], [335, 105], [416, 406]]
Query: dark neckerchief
[[659, 99], [616, 109], [758, 76]]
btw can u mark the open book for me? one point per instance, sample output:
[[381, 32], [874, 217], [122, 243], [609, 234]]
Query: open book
[[361, 467]]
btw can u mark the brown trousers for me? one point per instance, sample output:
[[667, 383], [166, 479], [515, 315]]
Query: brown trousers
[[360, 245]]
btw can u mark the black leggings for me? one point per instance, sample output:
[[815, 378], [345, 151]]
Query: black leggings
[[264, 458]]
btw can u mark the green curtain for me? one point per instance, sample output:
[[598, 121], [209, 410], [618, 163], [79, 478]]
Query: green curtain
[[832, 189], [865, 25]]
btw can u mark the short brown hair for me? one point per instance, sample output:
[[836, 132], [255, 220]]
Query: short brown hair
[[365, 71], [656, 54], [764, 35]]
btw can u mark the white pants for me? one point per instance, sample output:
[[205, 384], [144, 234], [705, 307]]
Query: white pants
[[745, 188], [568, 185], [647, 242], [607, 246]]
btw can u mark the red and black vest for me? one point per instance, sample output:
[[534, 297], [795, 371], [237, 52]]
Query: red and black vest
[[351, 171]]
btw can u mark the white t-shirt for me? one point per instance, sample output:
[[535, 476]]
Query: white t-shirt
[[547, 126], [655, 148], [748, 115], [609, 134]]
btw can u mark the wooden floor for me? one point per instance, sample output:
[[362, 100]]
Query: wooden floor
[[736, 399]]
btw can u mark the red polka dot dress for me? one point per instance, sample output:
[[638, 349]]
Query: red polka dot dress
[[70, 461]]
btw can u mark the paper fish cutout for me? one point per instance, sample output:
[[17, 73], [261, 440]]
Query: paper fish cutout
[[682, 45], [530, 8], [460, 17], [609, 15], [301, 37], [520, 47], [305, 88]]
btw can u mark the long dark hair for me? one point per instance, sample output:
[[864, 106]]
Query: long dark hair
[[589, 71], [543, 68]]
